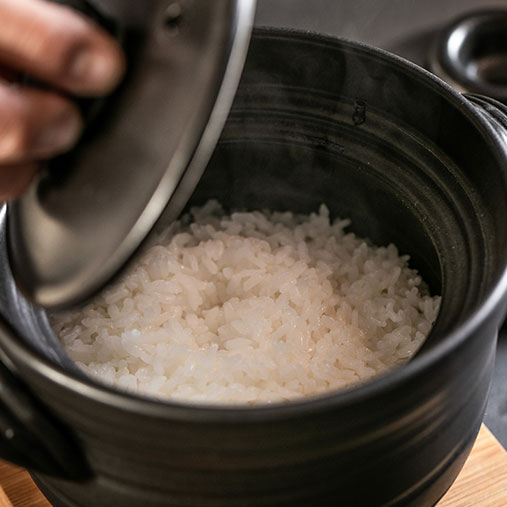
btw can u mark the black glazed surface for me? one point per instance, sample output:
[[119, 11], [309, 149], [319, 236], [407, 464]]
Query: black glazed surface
[[321, 120]]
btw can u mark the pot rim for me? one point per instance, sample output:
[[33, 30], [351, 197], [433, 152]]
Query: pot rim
[[335, 400]]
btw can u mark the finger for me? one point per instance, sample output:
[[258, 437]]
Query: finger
[[35, 124], [57, 45], [14, 180]]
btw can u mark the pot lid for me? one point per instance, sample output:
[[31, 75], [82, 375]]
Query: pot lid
[[143, 150]]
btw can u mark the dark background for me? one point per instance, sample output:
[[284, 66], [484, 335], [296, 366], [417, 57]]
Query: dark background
[[406, 27], [379, 22]]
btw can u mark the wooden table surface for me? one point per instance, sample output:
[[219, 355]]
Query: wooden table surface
[[481, 483]]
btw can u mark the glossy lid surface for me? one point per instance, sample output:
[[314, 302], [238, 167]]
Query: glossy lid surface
[[143, 151]]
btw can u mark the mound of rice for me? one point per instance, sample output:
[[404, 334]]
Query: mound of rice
[[252, 308]]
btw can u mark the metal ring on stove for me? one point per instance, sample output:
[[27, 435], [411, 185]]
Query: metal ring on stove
[[471, 54]]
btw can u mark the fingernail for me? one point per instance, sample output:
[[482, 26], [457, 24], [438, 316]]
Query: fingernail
[[97, 71], [60, 134]]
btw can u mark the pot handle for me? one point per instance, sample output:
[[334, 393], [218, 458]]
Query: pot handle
[[493, 111], [29, 436]]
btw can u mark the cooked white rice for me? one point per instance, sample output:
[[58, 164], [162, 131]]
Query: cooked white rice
[[252, 308]]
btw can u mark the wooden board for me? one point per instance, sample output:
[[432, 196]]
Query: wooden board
[[481, 483], [18, 489], [483, 480]]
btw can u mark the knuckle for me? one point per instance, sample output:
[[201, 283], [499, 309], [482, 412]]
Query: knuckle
[[60, 43]]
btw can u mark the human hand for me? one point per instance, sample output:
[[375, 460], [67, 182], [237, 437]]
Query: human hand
[[57, 46]]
